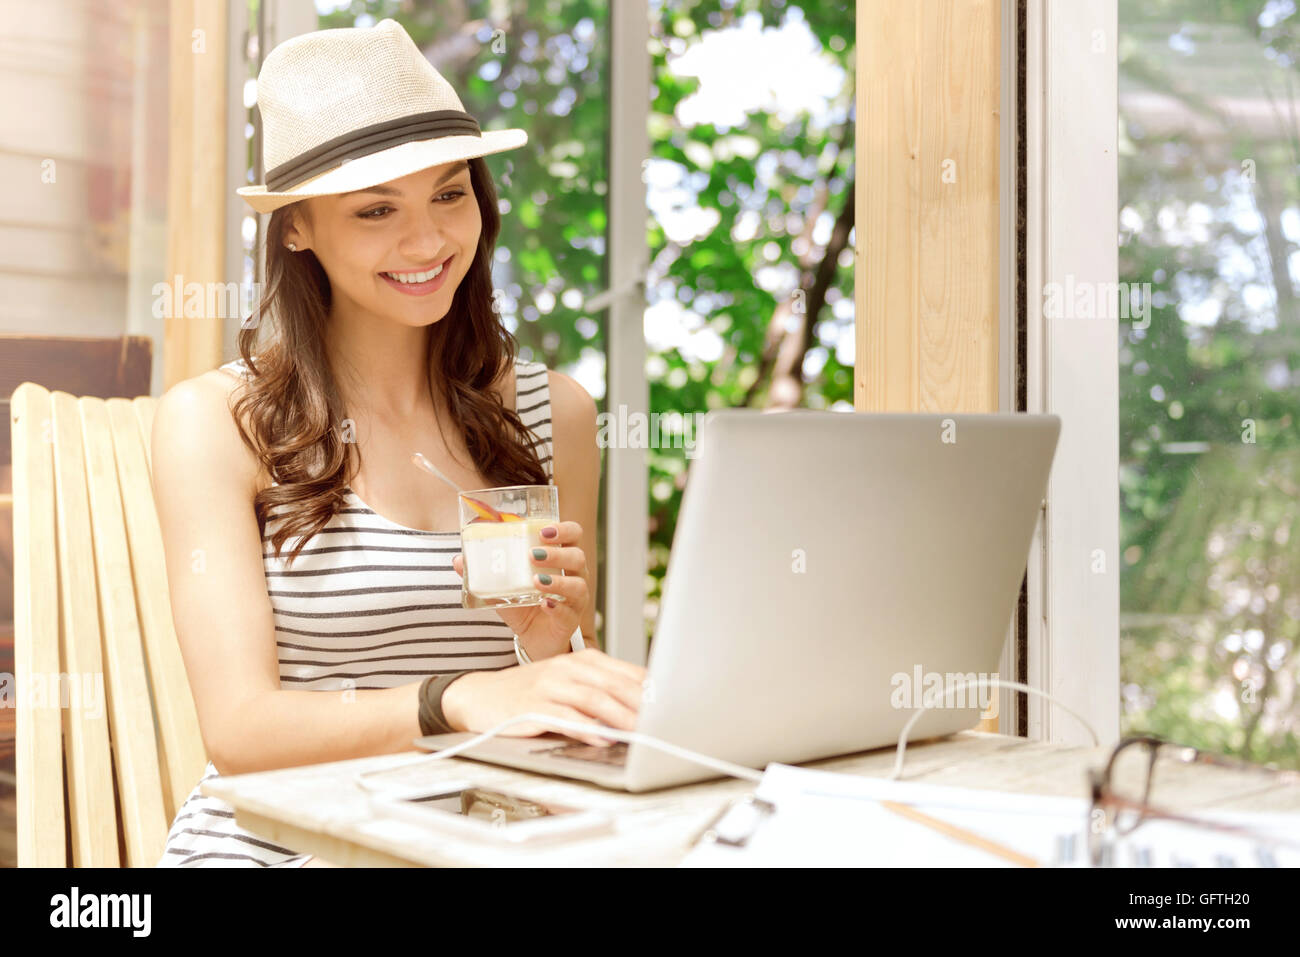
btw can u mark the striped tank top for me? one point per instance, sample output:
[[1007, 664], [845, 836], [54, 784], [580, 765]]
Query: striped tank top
[[367, 604]]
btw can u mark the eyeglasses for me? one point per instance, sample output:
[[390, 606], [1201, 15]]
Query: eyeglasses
[[1121, 792]]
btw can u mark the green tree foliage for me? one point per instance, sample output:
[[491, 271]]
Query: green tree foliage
[[786, 175], [1210, 219]]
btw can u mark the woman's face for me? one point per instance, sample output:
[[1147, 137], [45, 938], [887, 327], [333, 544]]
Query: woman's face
[[397, 250]]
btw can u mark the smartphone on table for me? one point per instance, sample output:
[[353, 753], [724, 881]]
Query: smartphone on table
[[462, 809]]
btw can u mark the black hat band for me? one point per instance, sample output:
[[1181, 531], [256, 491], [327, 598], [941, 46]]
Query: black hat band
[[367, 140]]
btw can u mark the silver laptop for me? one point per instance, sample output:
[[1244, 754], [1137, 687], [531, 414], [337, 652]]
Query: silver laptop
[[826, 566]]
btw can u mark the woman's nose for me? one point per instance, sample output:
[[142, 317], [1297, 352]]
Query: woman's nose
[[426, 236]]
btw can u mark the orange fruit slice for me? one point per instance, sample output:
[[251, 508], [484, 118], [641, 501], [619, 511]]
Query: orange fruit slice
[[487, 513], [482, 509]]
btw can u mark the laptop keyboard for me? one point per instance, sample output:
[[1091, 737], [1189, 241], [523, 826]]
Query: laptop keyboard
[[615, 754]]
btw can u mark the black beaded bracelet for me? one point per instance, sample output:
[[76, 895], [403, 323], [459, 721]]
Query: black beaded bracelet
[[432, 720]]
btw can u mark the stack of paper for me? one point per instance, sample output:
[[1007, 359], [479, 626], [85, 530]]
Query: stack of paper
[[824, 819]]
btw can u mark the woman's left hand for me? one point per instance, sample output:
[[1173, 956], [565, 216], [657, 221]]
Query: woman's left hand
[[544, 630]]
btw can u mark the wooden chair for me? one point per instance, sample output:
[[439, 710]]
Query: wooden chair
[[106, 367], [90, 591]]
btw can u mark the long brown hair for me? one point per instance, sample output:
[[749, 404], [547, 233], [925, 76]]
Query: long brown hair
[[292, 416]]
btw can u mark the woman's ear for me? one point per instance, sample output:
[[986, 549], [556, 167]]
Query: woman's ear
[[296, 235]]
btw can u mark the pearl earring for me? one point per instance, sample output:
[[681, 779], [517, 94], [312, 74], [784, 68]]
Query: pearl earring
[[293, 248]]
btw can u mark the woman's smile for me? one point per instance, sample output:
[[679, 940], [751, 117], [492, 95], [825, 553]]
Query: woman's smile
[[419, 283]]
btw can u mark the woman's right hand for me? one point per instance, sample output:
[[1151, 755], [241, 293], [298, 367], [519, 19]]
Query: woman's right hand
[[588, 687]]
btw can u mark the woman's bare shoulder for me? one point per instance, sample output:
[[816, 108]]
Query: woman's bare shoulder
[[572, 407], [194, 429], [574, 434]]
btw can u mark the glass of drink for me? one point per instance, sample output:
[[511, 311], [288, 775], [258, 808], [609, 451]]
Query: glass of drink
[[499, 528]]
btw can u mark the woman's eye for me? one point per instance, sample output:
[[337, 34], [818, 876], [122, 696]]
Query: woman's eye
[[379, 212]]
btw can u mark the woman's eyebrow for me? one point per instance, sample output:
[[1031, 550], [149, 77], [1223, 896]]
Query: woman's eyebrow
[[393, 191]]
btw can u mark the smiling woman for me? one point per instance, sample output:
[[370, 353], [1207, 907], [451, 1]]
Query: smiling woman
[[326, 296], [304, 553]]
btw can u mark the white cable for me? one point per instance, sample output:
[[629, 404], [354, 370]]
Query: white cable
[[520, 655], [717, 764], [617, 734], [576, 643], [961, 685]]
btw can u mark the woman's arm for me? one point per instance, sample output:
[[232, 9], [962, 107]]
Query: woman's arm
[[204, 479], [577, 474]]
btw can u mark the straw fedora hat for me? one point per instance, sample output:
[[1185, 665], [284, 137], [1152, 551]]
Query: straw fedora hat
[[354, 107]]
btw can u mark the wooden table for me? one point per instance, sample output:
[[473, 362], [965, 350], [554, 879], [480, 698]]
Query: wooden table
[[319, 809]]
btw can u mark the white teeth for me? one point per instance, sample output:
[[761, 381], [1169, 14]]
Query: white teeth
[[412, 277]]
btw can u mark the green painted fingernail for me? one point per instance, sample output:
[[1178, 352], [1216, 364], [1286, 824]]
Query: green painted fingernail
[[544, 579], [539, 553]]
